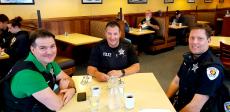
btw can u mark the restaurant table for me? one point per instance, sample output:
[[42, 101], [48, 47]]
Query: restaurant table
[[146, 89], [177, 26], [77, 39], [67, 44], [138, 32], [203, 22], [215, 41], [4, 56]]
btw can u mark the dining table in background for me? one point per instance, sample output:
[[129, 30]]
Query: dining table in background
[[177, 26], [139, 32], [203, 22], [146, 89], [68, 42], [215, 41], [77, 39]]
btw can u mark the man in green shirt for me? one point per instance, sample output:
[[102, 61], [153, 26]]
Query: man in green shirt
[[32, 87]]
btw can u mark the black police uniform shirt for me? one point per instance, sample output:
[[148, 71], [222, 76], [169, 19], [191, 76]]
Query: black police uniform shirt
[[5, 38], [152, 21], [19, 46], [203, 75], [181, 19], [105, 58]]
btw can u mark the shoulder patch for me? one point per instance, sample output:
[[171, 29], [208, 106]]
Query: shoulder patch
[[212, 73]]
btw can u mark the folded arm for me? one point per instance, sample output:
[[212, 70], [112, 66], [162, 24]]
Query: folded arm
[[196, 104], [173, 87], [100, 76], [67, 86], [130, 70], [49, 99]]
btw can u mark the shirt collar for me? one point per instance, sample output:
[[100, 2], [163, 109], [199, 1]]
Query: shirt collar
[[38, 64]]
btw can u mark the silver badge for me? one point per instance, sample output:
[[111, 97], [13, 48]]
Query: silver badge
[[195, 66], [121, 52]]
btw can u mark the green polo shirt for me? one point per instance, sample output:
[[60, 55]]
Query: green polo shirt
[[26, 82]]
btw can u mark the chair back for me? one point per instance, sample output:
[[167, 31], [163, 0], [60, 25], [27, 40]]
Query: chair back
[[225, 54]]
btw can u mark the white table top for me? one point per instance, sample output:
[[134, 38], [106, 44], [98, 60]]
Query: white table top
[[138, 32], [215, 41], [77, 39], [177, 27], [147, 92], [4, 56]]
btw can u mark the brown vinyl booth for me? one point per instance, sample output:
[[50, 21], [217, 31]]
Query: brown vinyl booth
[[165, 41]]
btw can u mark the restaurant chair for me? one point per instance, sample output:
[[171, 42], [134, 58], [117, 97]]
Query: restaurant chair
[[66, 64], [225, 57]]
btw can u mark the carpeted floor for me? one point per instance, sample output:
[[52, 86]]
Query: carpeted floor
[[163, 65]]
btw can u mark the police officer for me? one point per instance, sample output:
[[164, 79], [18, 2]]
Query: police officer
[[179, 33], [112, 56], [4, 34], [200, 77], [30, 84]]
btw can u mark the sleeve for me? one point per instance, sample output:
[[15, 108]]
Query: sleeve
[[182, 20], [181, 70], [57, 68], [142, 21], [132, 56], [27, 82], [20, 47], [154, 22], [94, 57], [211, 80]]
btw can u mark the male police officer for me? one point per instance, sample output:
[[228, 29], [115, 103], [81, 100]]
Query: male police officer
[[113, 56], [200, 77], [30, 83]]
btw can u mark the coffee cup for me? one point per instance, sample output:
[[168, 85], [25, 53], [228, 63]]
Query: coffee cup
[[95, 90], [180, 24], [129, 101]]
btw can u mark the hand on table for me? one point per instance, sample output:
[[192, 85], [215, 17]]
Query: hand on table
[[116, 73], [68, 94]]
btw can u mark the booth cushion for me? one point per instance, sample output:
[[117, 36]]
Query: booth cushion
[[65, 62]]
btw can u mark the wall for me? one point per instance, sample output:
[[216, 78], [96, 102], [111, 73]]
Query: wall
[[71, 8]]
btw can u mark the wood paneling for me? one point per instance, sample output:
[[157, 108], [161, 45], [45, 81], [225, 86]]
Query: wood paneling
[[81, 24]]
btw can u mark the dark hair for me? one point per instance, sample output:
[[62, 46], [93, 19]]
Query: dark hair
[[3, 18], [113, 24], [207, 28], [16, 21], [178, 12], [40, 33]]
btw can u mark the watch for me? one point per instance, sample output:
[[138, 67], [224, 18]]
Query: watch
[[123, 72]]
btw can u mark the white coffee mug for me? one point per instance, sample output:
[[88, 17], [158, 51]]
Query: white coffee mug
[[95, 90], [180, 24], [129, 101]]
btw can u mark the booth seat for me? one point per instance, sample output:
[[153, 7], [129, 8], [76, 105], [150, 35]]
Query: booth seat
[[66, 64], [97, 28], [209, 16], [165, 41]]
